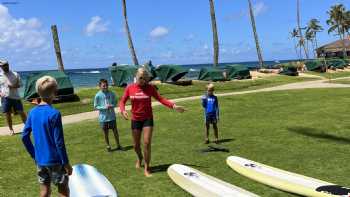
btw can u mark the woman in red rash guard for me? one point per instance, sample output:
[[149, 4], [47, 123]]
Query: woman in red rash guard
[[140, 94]]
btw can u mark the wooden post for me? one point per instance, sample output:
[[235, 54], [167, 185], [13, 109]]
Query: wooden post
[[57, 47]]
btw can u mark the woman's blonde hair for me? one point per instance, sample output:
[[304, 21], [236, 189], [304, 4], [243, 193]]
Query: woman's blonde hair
[[46, 87], [142, 73]]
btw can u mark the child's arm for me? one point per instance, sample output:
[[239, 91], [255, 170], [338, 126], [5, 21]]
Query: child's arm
[[26, 137], [97, 103], [204, 101], [59, 139], [217, 107]]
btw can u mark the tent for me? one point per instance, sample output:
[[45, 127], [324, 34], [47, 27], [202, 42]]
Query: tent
[[336, 63], [315, 65], [65, 87], [237, 71], [122, 75], [211, 74], [289, 69], [170, 72]]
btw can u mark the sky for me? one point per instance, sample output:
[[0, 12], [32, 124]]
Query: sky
[[167, 32]]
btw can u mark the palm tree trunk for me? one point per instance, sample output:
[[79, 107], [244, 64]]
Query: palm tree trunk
[[215, 33], [296, 48], [56, 43], [127, 31], [258, 49], [300, 32]]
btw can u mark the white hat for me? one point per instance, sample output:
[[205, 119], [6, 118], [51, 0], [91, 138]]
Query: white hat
[[3, 62]]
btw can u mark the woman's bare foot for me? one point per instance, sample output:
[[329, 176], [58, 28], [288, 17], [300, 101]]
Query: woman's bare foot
[[138, 163], [148, 173]]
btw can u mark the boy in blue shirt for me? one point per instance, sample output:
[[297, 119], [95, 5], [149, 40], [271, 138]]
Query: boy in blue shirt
[[49, 152], [105, 102], [210, 104]]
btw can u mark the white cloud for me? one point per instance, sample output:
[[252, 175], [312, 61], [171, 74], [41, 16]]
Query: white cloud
[[205, 47], [190, 37], [96, 25], [259, 8], [159, 32], [20, 33]]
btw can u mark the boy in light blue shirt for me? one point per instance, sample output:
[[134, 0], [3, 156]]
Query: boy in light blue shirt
[[105, 102]]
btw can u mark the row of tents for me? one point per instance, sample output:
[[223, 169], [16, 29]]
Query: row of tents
[[124, 74], [321, 65]]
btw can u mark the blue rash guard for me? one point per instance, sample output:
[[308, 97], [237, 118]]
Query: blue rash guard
[[211, 106], [46, 124]]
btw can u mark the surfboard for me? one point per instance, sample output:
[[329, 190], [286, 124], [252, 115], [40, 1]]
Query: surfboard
[[87, 181], [284, 180], [202, 185]]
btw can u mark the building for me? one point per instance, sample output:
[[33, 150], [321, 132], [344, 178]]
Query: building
[[334, 49]]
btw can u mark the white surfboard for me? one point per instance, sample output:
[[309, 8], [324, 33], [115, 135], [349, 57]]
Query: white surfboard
[[285, 180], [202, 185], [87, 181]]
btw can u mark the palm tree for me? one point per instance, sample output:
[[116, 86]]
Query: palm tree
[[294, 34], [252, 20], [127, 31], [312, 29], [347, 22], [309, 37], [337, 22], [215, 33], [301, 37]]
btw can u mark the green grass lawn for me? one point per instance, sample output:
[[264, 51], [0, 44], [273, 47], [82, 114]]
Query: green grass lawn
[[341, 81], [304, 131], [331, 75], [170, 91]]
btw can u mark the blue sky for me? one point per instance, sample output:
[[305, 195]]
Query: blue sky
[[173, 32]]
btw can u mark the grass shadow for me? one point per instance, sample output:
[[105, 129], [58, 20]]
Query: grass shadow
[[164, 167], [214, 149], [225, 140], [316, 133], [125, 148]]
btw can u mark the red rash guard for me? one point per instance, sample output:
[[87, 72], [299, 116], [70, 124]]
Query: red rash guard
[[141, 103]]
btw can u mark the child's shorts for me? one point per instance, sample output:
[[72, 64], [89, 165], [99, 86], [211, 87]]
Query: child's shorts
[[108, 125], [211, 119], [55, 174]]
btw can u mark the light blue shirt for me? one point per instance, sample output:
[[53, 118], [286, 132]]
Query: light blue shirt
[[102, 99]]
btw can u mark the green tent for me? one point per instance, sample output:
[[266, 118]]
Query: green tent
[[170, 72], [237, 71], [65, 87], [336, 63], [122, 75], [211, 74], [315, 65], [289, 69]]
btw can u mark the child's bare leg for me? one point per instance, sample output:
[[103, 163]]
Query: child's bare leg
[[216, 132], [207, 126], [116, 136], [63, 189], [45, 190], [105, 132], [147, 141]]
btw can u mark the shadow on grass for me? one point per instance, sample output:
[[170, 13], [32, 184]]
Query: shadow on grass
[[164, 167], [225, 140], [214, 149], [315, 133], [125, 148]]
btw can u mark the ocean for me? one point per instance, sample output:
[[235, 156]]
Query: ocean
[[89, 77]]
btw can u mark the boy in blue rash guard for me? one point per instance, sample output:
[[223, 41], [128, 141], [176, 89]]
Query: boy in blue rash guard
[[105, 102], [49, 152], [210, 104]]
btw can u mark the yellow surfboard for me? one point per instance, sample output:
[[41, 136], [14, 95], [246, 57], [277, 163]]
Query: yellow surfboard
[[200, 184], [284, 180]]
